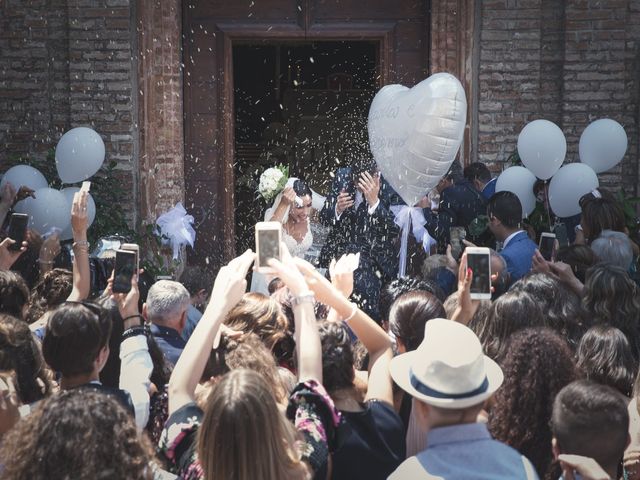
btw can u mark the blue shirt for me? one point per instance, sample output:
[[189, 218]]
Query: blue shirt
[[518, 255], [466, 452], [169, 341], [193, 317]]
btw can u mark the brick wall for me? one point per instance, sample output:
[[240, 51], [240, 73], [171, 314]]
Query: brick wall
[[68, 63], [569, 62]]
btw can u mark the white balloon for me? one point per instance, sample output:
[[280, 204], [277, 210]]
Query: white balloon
[[569, 185], [603, 144], [415, 133], [69, 192], [520, 181], [79, 155], [48, 210], [24, 175], [542, 148]]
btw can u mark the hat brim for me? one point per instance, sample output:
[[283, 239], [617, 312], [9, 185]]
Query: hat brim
[[400, 369]]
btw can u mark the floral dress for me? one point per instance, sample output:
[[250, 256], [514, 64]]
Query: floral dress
[[310, 409]]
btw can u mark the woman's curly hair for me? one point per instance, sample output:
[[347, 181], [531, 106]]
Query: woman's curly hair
[[605, 357], [611, 297], [76, 434], [14, 294], [262, 315], [562, 308], [20, 353], [537, 365], [337, 356], [51, 291]]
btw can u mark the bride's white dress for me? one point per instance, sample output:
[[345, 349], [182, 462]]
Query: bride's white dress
[[260, 282], [298, 249]]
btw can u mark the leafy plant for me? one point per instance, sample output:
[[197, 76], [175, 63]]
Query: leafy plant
[[629, 209]]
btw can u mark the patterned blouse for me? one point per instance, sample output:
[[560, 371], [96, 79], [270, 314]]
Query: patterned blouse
[[310, 409]]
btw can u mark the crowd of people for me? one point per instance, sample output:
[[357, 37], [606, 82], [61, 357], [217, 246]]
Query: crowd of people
[[352, 373]]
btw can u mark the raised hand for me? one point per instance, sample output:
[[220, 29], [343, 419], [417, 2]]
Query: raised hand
[[9, 257], [344, 202], [231, 283], [287, 270], [289, 196], [341, 273], [79, 215], [50, 248], [369, 185]]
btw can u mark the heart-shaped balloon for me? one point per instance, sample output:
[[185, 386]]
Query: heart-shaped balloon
[[415, 133]]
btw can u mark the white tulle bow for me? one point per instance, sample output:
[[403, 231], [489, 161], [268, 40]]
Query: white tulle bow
[[176, 229]]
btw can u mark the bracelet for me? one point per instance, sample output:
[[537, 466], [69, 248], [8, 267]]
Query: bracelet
[[134, 316], [305, 297], [81, 243], [353, 313], [134, 332], [45, 262]]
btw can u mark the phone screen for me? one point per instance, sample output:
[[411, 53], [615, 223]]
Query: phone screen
[[546, 247], [18, 229], [268, 246], [479, 263], [124, 270]]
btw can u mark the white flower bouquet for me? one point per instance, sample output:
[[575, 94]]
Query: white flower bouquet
[[273, 181]]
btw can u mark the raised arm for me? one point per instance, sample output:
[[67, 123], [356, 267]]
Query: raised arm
[[372, 336], [229, 287], [81, 271], [136, 365], [286, 201], [307, 339]]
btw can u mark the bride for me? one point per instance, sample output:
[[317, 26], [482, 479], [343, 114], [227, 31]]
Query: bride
[[292, 208]]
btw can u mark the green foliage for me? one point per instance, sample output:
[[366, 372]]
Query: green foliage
[[630, 214]]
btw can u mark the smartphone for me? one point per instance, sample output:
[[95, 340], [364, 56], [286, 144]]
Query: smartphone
[[561, 234], [86, 186], [268, 238], [134, 248], [18, 229], [348, 186], [456, 235], [123, 271], [547, 244], [479, 261]]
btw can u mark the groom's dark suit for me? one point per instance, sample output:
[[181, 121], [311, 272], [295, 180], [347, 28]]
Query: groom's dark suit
[[373, 235]]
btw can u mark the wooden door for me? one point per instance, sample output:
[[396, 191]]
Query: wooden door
[[210, 27]]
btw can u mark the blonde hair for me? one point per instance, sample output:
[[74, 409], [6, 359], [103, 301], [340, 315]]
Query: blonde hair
[[243, 435]]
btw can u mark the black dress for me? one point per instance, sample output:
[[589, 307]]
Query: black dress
[[374, 448]]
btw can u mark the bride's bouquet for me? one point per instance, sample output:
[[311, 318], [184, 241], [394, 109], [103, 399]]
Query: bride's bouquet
[[272, 182]]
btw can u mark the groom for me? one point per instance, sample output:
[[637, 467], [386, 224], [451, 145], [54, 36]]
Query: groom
[[357, 210]]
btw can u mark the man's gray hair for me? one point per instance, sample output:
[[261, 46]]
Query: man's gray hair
[[166, 301], [613, 248]]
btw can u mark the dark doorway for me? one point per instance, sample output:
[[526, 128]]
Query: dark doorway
[[302, 105]]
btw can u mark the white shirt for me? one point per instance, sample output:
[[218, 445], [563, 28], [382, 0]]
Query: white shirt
[[509, 238], [135, 373]]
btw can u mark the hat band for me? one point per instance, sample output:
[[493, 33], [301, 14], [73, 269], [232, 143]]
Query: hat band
[[430, 392]]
